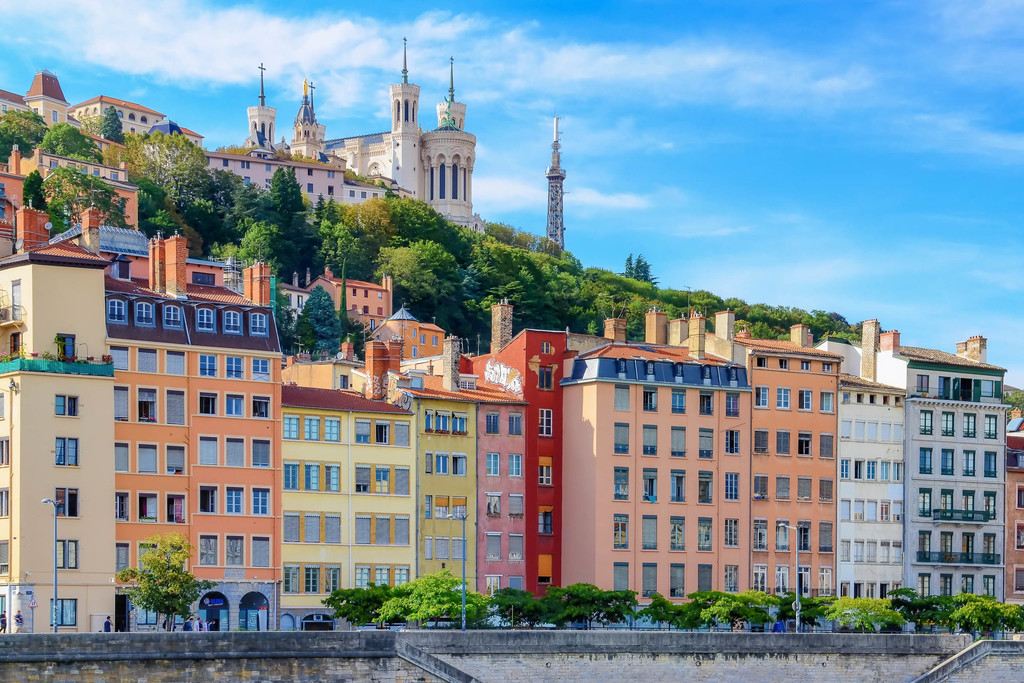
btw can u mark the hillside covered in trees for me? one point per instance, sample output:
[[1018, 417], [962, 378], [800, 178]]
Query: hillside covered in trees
[[441, 271]]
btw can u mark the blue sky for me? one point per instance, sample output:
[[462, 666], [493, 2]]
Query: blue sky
[[865, 158]]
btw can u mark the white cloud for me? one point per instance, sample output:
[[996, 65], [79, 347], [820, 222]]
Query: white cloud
[[495, 193], [590, 198], [963, 135]]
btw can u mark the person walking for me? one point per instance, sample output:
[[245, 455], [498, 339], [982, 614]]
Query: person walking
[[108, 625], [3, 621], [187, 626], [19, 622]]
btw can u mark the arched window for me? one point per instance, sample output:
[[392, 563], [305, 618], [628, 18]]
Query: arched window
[[143, 313], [120, 114], [431, 182], [115, 310], [465, 188], [414, 111], [620, 366], [398, 110], [144, 119], [263, 128], [441, 192], [258, 324], [232, 322], [455, 181], [131, 116], [407, 111]]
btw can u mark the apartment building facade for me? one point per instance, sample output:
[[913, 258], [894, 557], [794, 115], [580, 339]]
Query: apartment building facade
[[349, 471], [871, 470], [1014, 516], [197, 432]]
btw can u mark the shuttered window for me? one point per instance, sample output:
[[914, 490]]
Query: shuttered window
[[803, 488], [121, 557], [119, 354], [147, 459], [332, 529], [703, 577], [147, 360], [620, 576], [493, 546], [120, 403], [312, 528], [234, 452], [401, 433], [175, 459], [120, 457], [383, 530], [363, 529], [515, 546], [260, 453], [291, 527], [261, 552], [175, 362], [515, 504], [650, 578], [402, 481], [428, 548], [362, 478], [677, 581], [176, 407], [207, 450], [679, 442], [401, 531], [441, 548], [782, 487], [650, 532]]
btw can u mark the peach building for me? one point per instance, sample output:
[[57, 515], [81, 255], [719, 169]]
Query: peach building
[[419, 339], [1015, 513], [367, 302], [656, 444], [197, 431]]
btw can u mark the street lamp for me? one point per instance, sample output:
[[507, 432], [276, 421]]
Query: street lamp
[[463, 516], [52, 502], [796, 549]]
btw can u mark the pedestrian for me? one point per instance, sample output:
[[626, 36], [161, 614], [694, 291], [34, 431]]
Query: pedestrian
[[187, 626], [200, 626], [108, 625], [3, 622], [19, 621]]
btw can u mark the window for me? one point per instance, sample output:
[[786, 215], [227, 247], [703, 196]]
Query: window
[[732, 486], [207, 365], [947, 424], [172, 317], [621, 435], [825, 445], [233, 501], [732, 405], [704, 528], [493, 464], [311, 528], [760, 441], [311, 479], [261, 501], [803, 488], [208, 499], [621, 483], [678, 445], [706, 443], [650, 400], [732, 532], [311, 429], [970, 425], [204, 320], [492, 420], [67, 502], [649, 532], [143, 313], [705, 486], [650, 436], [64, 405], [232, 322], [544, 475], [824, 537], [706, 405], [760, 396], [115, 311], [782, 398], [760, 487], [67, 610], [926, 422], [782, 442], [544, 519], [782, 535], [66, 451], [441, 463], [544, 377], [258, 324], [233, 405], [291, 427], [261, 369], [233, 367], [760, 534], [620, 532], [175, 459], [924, 502], [544, 426], [925, 461], [260, 453], [804, 399], [515, 424], [732, 441], [782, 487], [991, 427], [826, 402]]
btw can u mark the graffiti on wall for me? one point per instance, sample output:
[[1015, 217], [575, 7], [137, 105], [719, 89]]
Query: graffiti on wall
[[508, 378], [397, 396]]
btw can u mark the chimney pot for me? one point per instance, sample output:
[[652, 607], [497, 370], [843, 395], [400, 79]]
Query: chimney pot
[[799, 335], [615, 329]]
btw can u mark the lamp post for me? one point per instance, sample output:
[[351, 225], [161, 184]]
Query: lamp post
[[462, 516], [796, 549], [53, 612]]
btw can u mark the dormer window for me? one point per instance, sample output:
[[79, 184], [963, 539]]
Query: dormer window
[[232, 322], [677, 369], [121, 269], [115, 310], [204, 320], [172, 316], [143, 313], [620, 366], [649, 367], [258, 324]]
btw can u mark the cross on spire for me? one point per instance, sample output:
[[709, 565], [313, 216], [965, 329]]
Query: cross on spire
[[263, 97], [311, 89]]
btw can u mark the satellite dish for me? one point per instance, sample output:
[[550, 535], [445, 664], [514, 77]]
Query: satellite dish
[[49, 225], [19, 244]]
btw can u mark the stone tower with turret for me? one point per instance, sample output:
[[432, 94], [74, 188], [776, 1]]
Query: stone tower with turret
[[261, 121], [405, 130], [309, 135]]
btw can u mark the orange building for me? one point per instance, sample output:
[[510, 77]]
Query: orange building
[[197, 397], [656, 446], [419, 339], [367, 302]]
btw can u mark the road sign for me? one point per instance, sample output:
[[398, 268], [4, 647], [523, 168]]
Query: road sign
[[32, 603]]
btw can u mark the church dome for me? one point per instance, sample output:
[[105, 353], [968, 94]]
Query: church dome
[[305, 115], [167, 127]]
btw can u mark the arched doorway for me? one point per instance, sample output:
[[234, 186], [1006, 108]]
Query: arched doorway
[[287, 622], [214, 609], [252, 612], [317, 622]]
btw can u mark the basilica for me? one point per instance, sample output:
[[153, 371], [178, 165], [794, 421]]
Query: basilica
[[434, 164]]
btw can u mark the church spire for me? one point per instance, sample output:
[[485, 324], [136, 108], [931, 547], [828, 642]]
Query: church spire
[[263, 97], [405, 61]]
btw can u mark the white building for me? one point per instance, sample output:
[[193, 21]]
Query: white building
[[871, 470]]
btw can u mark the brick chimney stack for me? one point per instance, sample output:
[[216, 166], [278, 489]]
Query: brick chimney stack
[[32, 228], [450, 364], [975, 348], [376, 370], [800, 335], [697, 337], [176, 254], [395, 347], [89, 239], [501, 324], [157, 265], [348, 350], [656, 327], [615, 329], [889, 341], [14, 161], [869, 338]]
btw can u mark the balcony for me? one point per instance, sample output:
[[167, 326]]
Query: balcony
[[11, 315], [95, 369], [962, 515], [957, 558]]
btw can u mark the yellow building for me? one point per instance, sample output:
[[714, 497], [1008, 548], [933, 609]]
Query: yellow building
[[57, 427], [348, 501]]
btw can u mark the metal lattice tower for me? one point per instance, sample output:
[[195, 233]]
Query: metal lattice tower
[[556, 176]]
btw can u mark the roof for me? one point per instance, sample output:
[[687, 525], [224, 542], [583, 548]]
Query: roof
[[675, 354], [333, 399], [167, 127], [854, 382], [64, 254], [433, 388], [112, 239], [402, 314], [360, 283], [1015, 425], [12, 97], [784, 346], [45, 84], [103, 99], [368, 138], [188, 131], [922, 355], [210, 293]]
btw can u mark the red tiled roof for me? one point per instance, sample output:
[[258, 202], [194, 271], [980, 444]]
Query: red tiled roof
[[854, 382], [432, 388], [923, 355], [675, 354], [69, 250], [103, 99], [12, 97], [187, 131], [47, 85], [785, 346], [211, 293], [358, 283], [333, 399]]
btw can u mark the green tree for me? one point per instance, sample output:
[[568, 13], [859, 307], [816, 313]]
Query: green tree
[[359, 606], [110, 128], [287, 320], [662, 611], [864, 614], [515, 607], [67, 141], [319, 328], [1015, 399], [23, 128], [161, 583], [34, 197], [173, 162], [982, 614], [259, 242], [924, 611], [579, 602], [737, 609], [432, 597], [68, 193]]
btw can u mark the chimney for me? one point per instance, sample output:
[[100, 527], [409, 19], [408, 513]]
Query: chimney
[[32, 228], [615, 329], [157, 265], [677, 332], [348, 350], [14, 162], [295, 278], [89, 239], [176, 250], [725, 325], [800, 335], [1016, 413], [656, 324], [696, 339], [256, 284], [395, 345], [743, 334], [308, 277], [975, 348], [328, 273], [376, 369], [868, 346], [890, 341], [289, 361], [501, 324], [450, 364]]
